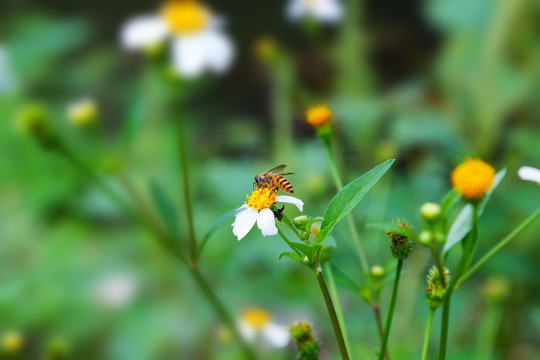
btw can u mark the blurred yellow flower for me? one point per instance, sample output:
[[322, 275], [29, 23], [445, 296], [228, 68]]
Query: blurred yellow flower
[[256, 318], [12, 342], [258, 323], [472, 178], [184, 16], [82, 113], [318, 115]]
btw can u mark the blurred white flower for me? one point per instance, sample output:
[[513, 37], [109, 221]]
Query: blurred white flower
[[7, 78], [257, 323], [326, 11], [258, 209], [116, 290], [198, 43], [529, 173], [83, 112]]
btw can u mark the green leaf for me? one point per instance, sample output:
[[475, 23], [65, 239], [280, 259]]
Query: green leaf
[[225, 218], [449, 201], [349, 197], [291, 255], [166, 208], [365, 293], [133, 123], [462, 223], [343, 280]]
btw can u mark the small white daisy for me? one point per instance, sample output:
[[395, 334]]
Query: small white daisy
[[529, 173], [257, 209], [198, 44], [326, 11], [258, 323]]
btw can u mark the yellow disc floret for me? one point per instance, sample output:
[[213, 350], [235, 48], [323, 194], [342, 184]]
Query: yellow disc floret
[[472, 178], [262, 198], [184, 16], [318, 115], [256, 318]]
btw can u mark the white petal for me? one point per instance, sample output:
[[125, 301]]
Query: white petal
[[290, 200], [529, 173], [265, 222], [328, 10], [276, 335], [143, 31], [296, 9], [247, 331], [219, 51], [244, 221], [189, 55]]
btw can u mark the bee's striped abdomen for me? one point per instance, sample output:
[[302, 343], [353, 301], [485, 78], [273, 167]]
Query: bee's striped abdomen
[[283, 183]]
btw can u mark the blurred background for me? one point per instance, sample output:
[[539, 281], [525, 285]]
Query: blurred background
[[425, 82]]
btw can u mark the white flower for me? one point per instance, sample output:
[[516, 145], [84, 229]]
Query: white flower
[[258, 323], [326, 11], [258, 209], [198, 44], [529, 173], [116, 290], [7, 79]]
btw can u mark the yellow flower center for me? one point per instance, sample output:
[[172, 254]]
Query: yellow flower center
[[318, 115], [472, 178], [184, 16], [262, 198], [256, 318]]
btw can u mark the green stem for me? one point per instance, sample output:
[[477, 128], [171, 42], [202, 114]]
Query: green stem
[[332, 313], [333, 292], [350, 220], [499, 246], [444, 324], [390, 314], [428, 333], [487, 331], [288, 242], [186, 191], [220, 309]]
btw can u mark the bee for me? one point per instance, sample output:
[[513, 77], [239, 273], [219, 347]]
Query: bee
[[274, 179]]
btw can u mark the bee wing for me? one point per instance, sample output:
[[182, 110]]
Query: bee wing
[[276, 169], [282, 173]]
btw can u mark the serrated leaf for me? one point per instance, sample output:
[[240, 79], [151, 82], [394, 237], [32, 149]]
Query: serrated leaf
[[219, 222], [463, 222], [290, 255], [349, 197], [166, 208]]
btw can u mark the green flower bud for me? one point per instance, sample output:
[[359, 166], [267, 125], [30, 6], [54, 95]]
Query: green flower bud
[[401, 245], [430, 212], [426, 238], [377, 272], [300, 222], [436, 289], [440, 238], [83, 113], [33, 119], [305, 340]]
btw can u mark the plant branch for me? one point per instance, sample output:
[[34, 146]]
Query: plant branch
[[390, 314]]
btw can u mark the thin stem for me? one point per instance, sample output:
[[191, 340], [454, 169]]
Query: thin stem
[[186, 191], [333, 292], [378, 320], [499, 246], [220, 309], [332, 313], [390, 314], [444, 324], [428, 333], [288, 242], [350, 220]]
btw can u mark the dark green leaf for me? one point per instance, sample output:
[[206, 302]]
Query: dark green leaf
[[225, 218], [349, 197], [166, 208]]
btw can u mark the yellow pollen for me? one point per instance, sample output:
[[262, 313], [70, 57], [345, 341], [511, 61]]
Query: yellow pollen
[[472, 178], [184, 16], [256, 318], [262, 198], [318, 115]]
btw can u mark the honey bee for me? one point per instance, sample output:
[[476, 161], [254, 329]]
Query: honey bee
[[274, 179]]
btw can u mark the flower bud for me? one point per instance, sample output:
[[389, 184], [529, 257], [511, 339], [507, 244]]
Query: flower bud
[[430, 212], [440, 238], [12, 343], [377, 272], [305, 340], [33, 119], [83, 113], [426, 238], [436, 289], [401, 245], [315, 229], [300, 222]]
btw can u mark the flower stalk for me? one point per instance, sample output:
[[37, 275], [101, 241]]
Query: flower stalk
[[390, 314], [428, 333]]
